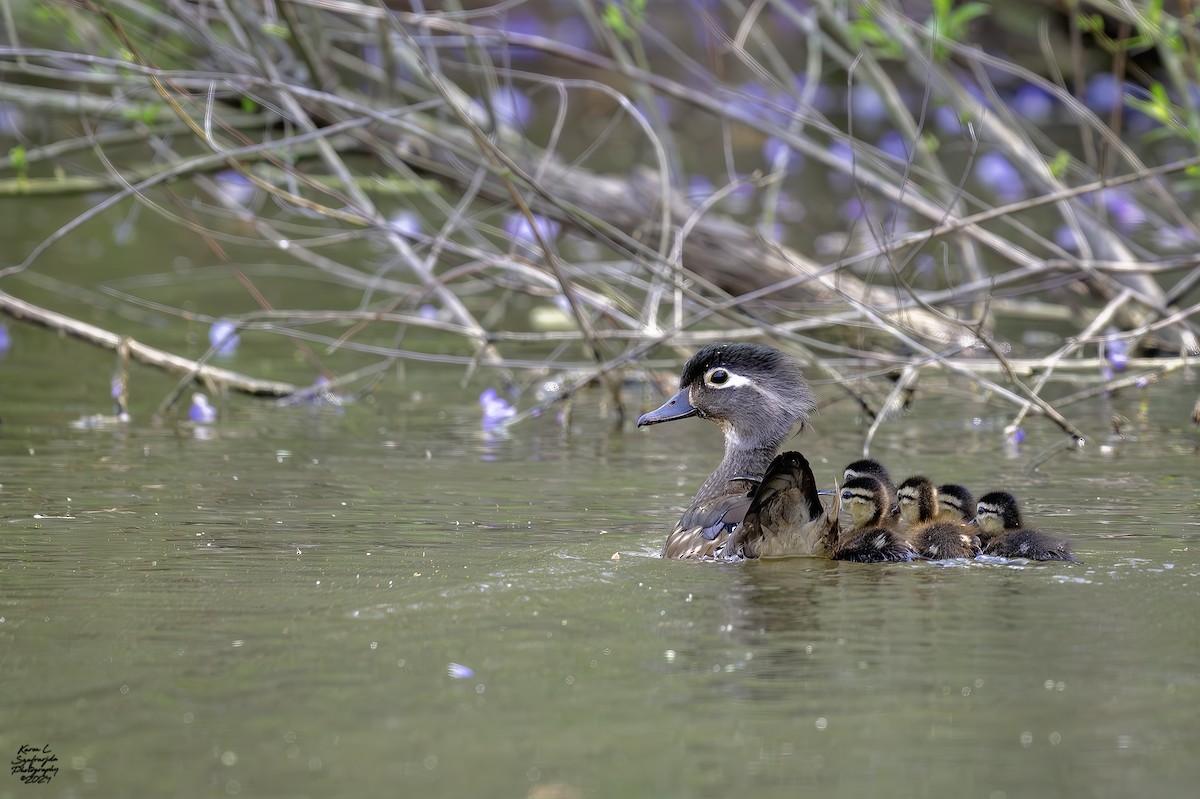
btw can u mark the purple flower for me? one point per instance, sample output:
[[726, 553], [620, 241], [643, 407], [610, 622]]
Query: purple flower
[[867, 105], [457, 671], [853, 210], [842, 151], [521, 232], [1065, 237], [1116, 352], [406, 223], [893, 144], [946, 120], [700, 188], [5, 339], [1103, 93], [496, 409], [775, 149], [528, 24], [752, 100], [223, 335], [511, 107], [201, 412], [1124, 210], [12, 119], [1174, 238], [573, 31], [236, 187], [1033, 103], [998, 174]]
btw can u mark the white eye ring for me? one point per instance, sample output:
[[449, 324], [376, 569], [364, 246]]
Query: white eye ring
[[721, 377]]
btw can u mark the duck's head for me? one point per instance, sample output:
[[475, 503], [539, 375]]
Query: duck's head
[[997, 512], [956, 499], [757, 394], [918, 499], [865, 499]]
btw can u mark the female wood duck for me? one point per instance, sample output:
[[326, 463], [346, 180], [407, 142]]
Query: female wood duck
[[754, 504], [999, 517], [873, 538], [929, 536]]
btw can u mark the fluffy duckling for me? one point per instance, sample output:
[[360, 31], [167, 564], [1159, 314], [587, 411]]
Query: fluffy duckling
[[955, 504], [757, 395], [873, 537], [869, 467], [999, 516], [938, 540]]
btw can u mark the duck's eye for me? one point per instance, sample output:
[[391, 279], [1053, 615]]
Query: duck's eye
[[720, 377]]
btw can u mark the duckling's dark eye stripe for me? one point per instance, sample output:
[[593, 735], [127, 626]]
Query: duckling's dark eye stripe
[[858, 493]]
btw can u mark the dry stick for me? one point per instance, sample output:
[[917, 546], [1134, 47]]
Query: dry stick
[[1112, 143], [1072, 344], [895, 330], [238, 275], [362, 201], [502, 163], [332, 161], [151, 356], [670, 88], [1109, 386], [907, 377]]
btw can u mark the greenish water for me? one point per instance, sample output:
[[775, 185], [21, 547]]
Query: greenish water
[[273, 609]]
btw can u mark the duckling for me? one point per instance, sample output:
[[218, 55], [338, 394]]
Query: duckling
[[757, 395], [938, 540], [999, 516], [869, 467], [786, 517], [955, 504], [873, 537]]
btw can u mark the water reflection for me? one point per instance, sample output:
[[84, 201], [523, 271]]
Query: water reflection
[[294, 594]]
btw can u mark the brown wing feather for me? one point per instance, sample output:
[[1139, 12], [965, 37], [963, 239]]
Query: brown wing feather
[[786, 517]]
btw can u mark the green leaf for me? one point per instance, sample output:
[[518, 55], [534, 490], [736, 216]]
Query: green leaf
[[20, 159], [614, 18], [1059, 164]]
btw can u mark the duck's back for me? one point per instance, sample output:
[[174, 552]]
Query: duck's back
[[942, 541], [704, 529], [874, 545], [1031, 544]]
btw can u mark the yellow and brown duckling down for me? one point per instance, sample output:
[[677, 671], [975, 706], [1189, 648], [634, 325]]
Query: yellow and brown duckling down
[[928, 531], [754, 504], [873, 536], [869, 467], [999, 518], [955, 504]]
